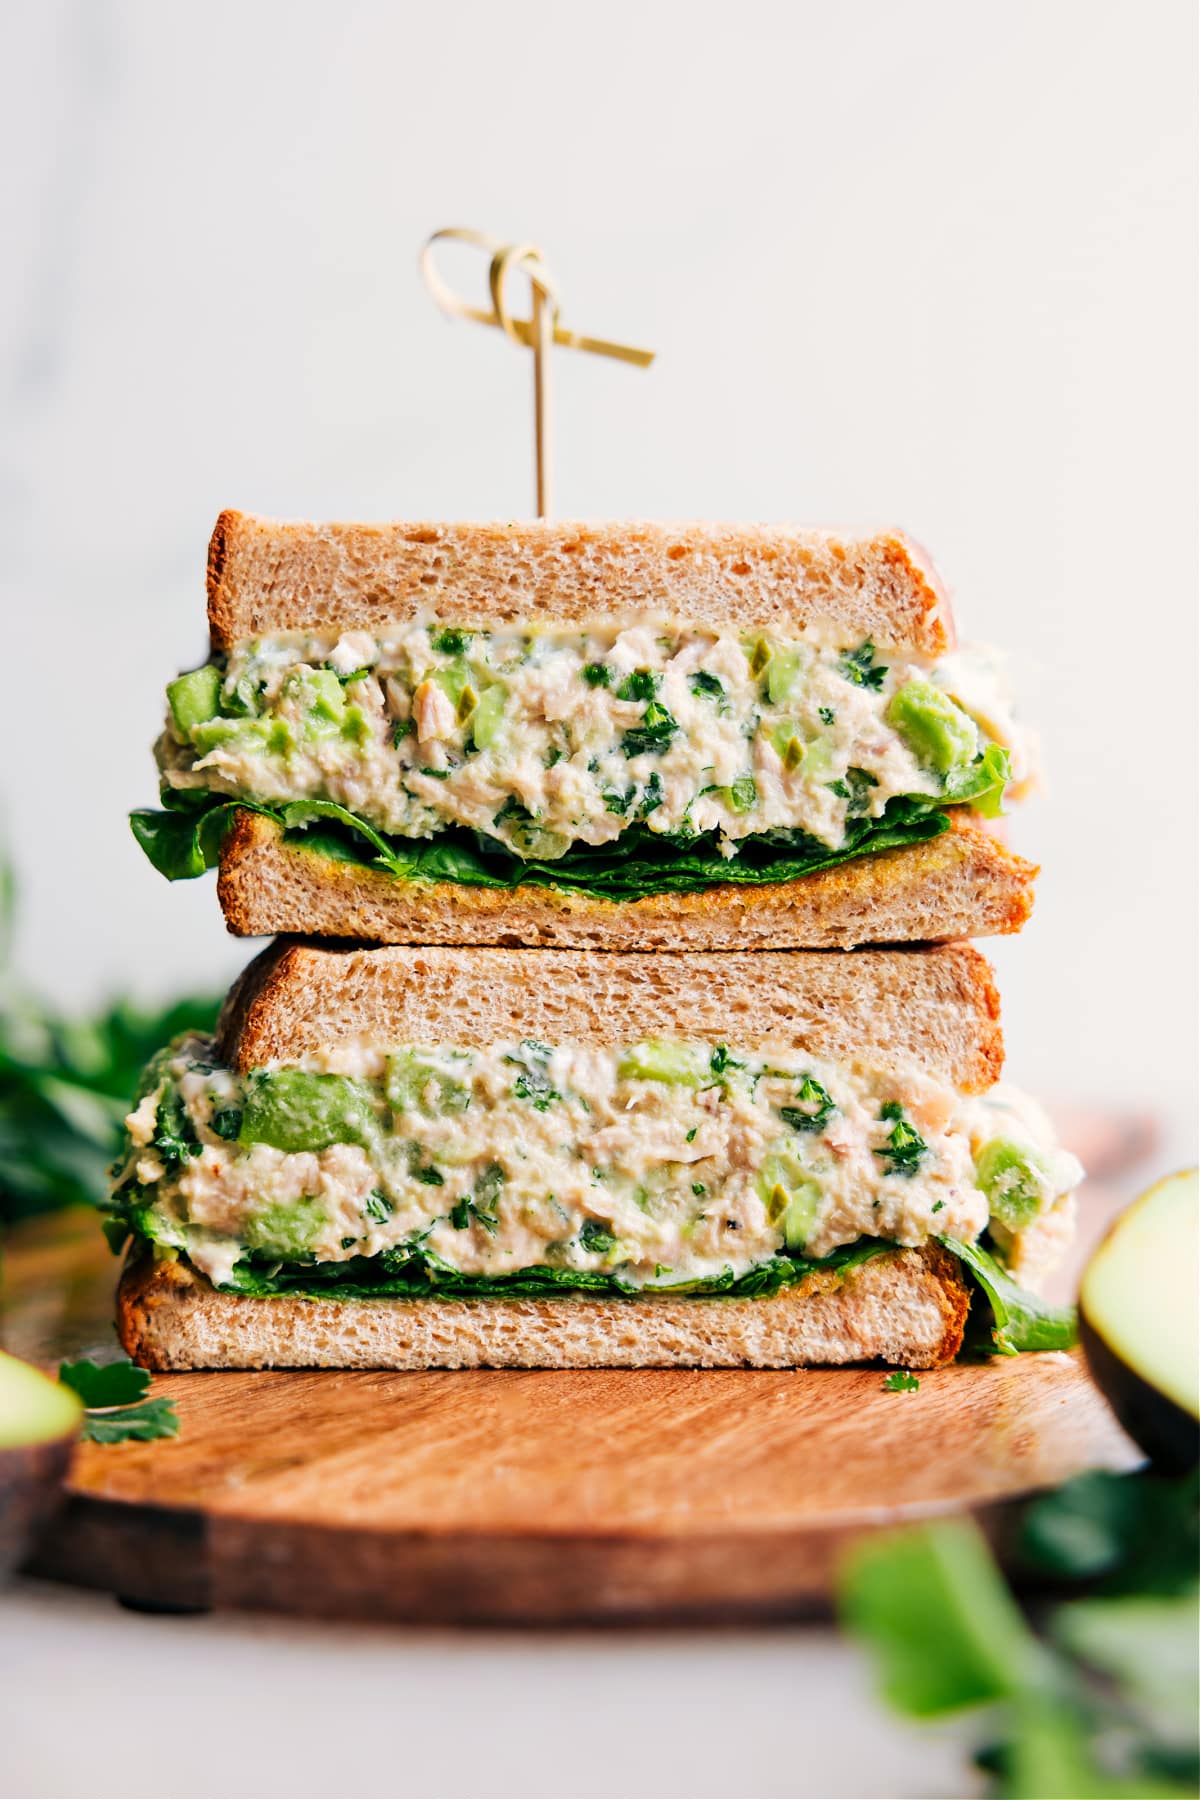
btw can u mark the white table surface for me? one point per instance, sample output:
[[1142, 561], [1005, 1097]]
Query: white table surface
[[100, 1701]]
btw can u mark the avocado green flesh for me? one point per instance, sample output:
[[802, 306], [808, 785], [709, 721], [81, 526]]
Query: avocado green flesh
[[1139, 1292], [33, 1408]]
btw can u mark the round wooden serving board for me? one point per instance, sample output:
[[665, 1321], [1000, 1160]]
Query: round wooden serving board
[[531, 1497]]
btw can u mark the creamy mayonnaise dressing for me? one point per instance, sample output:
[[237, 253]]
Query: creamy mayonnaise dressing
[[668, 1161], [551, 738]]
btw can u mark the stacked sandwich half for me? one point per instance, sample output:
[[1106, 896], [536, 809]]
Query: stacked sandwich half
[[562, 1059]]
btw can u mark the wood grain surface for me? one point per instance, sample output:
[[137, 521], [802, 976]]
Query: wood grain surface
[[514, 1496]]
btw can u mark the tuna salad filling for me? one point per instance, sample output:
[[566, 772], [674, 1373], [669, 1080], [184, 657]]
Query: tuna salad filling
[[570, 755], [663, 1166]]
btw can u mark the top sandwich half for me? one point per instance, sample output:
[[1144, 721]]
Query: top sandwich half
[[588, 734]]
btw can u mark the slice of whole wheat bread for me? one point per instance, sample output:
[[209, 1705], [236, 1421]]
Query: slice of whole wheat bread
[[906, 1307], [934, 1008], [962, 884], [268, 575]]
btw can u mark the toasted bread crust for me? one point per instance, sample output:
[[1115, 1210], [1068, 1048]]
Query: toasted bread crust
[[907, 1307], [270, 575], [963, 884], [935, 1008]]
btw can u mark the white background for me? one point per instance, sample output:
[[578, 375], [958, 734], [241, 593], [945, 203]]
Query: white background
[[928, 263]]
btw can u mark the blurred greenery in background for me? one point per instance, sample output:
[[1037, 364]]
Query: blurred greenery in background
[[1090, 1697], [66, 1083]]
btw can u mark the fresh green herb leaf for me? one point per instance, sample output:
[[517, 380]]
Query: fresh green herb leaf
[[515, 810], [378, 1206], [698, 1187], [1121, 1534], [860, 784], [430, 1176], [133, 1424], [931, 1605], [860, 668], [901, 1381], [596, 674], [533, 1081], [815, 1111], [653, 735], [401, 729], [617, 803], [640, 685], [451, 642], [105, 1389], [460, 1214], [104, 1384], [719, 1062], [174, 1137], [653, 795], [355, 675], [596, 1238], [226, 1122], [701, 682], [826, 715], [906, 1149]]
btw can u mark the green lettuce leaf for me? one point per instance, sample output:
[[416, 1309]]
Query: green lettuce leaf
[[416, 1274], [186, 839], [1020, 1320]]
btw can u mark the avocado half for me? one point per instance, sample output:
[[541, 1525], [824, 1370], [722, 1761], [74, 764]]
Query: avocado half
[[1139, 1321], [39, 1425]]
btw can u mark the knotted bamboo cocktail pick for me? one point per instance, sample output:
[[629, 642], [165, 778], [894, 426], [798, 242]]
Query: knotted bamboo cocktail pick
[[538, 332]]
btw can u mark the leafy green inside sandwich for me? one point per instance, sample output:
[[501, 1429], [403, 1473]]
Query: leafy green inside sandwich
[[612, 762], [669, 1166]]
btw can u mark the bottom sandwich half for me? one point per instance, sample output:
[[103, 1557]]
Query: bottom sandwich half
[[442, 1158]]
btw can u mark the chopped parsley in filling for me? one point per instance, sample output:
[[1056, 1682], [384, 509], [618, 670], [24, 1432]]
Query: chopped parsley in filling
[[663, 1163], [553, 744]]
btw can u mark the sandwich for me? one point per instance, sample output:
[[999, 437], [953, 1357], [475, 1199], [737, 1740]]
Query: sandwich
[[413, 1158], [603, 736]]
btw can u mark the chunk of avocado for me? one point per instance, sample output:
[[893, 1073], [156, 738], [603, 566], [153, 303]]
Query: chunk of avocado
[[782, 673], [796, 752], [293, 1110], [661, 1059], [454, 681], [414, 1085], [321, 698], [488, 715], [791, 1197], [39, 1423], [286, 1229], [194, 697], [1139, 1321], [1015, 1181], [231, 734], [937, 731]]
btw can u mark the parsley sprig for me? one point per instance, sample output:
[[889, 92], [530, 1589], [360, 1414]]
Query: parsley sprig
[[905, 1149], [116, 1410], [860, 668], [811, 1095]]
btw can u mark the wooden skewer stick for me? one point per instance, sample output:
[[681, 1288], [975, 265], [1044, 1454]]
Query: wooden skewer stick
[[540, 332]]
